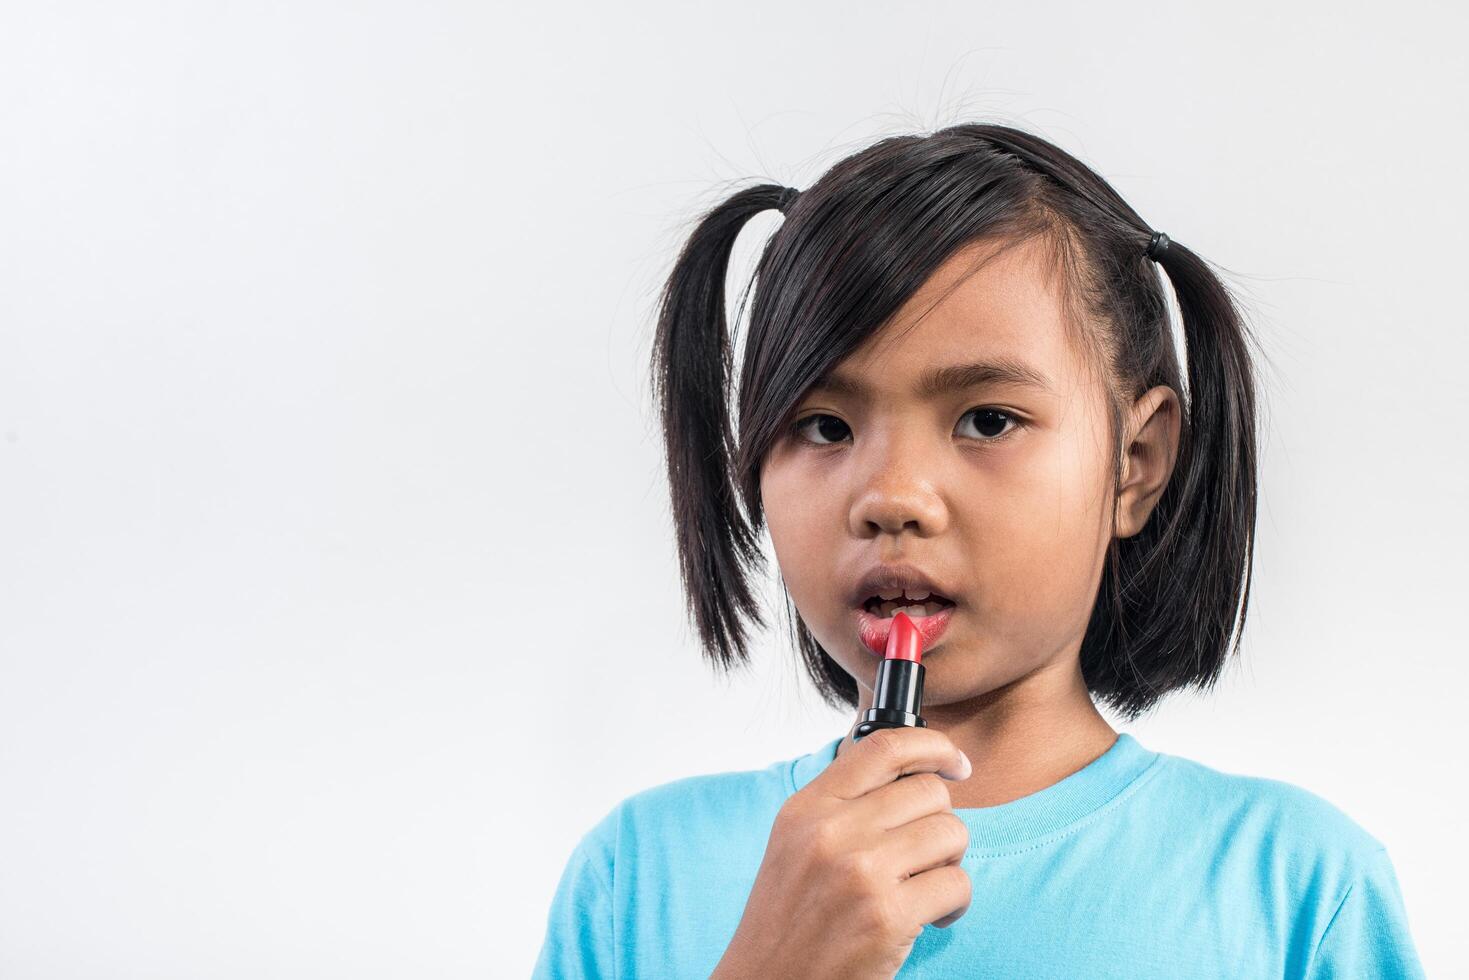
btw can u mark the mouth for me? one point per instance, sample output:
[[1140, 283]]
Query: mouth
[[919, 602], [929, 611]]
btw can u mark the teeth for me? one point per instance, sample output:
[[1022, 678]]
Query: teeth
[[888, 609], [917, 595]]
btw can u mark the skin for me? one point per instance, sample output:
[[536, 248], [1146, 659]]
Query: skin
[[1017, 525]]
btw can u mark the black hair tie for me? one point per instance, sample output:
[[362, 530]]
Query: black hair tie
[[787, 195], [1158, 246]]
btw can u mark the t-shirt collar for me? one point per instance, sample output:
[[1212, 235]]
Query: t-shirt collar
[[1038, 815]]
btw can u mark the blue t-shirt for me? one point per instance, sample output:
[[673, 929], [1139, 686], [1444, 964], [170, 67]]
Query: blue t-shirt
[[1140, 865]]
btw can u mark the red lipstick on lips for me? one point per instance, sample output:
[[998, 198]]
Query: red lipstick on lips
[[897, 694], [875, 631]]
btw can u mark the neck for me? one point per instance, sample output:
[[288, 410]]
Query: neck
[[1021, 738]]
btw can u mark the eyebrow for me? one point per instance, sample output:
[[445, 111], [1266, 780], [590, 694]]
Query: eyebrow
[[954, 377]]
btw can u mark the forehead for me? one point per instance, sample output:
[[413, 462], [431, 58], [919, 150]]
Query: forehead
[[987, 302]]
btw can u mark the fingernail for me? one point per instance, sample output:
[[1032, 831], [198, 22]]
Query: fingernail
[[968, 766]]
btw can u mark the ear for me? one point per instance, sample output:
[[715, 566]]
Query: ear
[[1150, 441]]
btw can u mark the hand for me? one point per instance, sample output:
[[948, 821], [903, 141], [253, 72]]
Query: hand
[[857, 862]]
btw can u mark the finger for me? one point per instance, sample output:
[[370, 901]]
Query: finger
[[903, 801], [887, 754], [947, 920], [939, 895], [926, 843]]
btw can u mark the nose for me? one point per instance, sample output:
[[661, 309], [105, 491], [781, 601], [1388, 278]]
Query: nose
[[899, 495]]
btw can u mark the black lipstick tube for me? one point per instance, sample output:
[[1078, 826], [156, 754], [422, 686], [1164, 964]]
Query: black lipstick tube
[[897, 698]]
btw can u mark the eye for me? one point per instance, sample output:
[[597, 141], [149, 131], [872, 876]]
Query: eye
[[989, 424], [828, 429]]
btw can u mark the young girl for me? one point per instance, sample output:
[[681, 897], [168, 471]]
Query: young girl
[[960, 397]]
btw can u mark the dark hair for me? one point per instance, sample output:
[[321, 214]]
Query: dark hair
[[853, 248]]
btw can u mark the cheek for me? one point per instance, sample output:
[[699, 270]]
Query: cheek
[[802, 528], [792, 516], [1045, 527], [780, 503]]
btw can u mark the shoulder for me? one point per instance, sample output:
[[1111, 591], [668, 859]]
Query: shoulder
[[1322, 883], [727, 808], [1295, 826]]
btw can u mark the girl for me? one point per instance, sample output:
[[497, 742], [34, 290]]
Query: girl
[[960, 397]]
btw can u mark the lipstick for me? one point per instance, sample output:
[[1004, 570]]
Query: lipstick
[[897, 694]]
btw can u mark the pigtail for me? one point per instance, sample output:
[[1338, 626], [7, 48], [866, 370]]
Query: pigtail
[[718, 547], [1180, 588]]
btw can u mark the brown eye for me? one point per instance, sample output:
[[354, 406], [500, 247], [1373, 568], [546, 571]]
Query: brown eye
[[988, 423], [826, 429]]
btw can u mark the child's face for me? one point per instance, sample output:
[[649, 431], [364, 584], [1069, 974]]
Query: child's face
[[1016, 528]]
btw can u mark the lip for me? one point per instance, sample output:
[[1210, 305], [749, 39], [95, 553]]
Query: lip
[[874, 629]]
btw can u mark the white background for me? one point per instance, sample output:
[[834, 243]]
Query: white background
[[337, 586]]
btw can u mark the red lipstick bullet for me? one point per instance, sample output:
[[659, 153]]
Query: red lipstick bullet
[[897, 694]]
